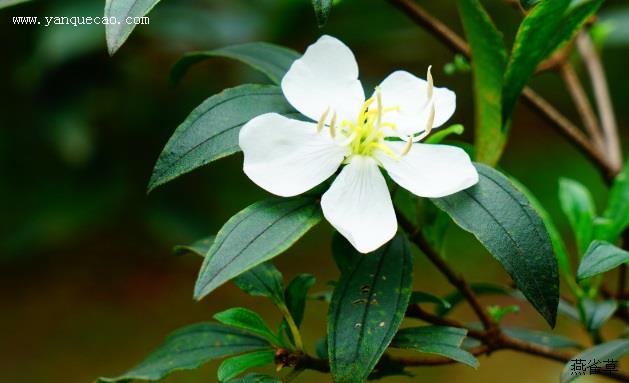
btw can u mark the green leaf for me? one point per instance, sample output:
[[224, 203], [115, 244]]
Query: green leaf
[[499, 312], [247, 320], [117, 33], [270, 59], [578, 205], [478, 288], [234, 366], [343, 253], [489, 62], [528, 4], [573, 20], [438, 340], [505, 223], [532, 45], [618, 206], [599, 258], [253, 236], [191, 347], [211, 131], [256, 378], [614, 350], [199, 247], [563, 259], [367, 308], [540, 337], [598, 313], [441, 134], [296, 294], [264, 280], [10, 3], [421, 297], [568, 310], [322, 10]]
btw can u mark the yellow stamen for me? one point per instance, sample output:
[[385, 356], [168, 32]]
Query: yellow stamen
[[333, 125], [429, 88], [321, 122]]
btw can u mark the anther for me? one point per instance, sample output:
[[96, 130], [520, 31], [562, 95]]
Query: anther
[[321, 122], [408, 146], [430, 83], [333, 125]]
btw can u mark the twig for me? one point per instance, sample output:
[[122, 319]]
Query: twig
[[582, 103], [453, 41], [601, 91]]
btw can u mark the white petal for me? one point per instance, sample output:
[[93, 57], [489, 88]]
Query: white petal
[[287, 157], [358, 205], [326, 76], [409, 93], [430, 170]]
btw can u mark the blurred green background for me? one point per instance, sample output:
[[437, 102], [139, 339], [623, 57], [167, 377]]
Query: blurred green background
[[88, 282]]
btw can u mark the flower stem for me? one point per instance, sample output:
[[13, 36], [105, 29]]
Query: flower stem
[[294, 330]]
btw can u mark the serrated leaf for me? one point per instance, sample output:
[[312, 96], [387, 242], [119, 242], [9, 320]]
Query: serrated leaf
[[247, 320], [270, 59], [438, 340], [599, 258], [531, 46], [506, 224], [598, 313], [489, 62], [422, 297], [253, 236], [542, 338], [256, 378], [478, 288], [367, 308], [296, 294], [614, 350], [577, 204], [199, 247], [191, 347], [618, 206], [234, 366], [322, 10], [117, 33], [211, 130], [264, 280]]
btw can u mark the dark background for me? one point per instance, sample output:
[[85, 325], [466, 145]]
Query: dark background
[[88, 282]]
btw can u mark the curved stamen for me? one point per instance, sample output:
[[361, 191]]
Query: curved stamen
[[321, 122], [333, 125], [429, 88]]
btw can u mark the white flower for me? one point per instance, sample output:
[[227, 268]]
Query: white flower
[[288, 157]]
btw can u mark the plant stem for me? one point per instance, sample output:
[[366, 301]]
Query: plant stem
[[601, 91], [582, 103], [294, 330], [557, 120]]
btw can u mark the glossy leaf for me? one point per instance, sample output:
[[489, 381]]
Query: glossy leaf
[[296, 294], [573, 20], [117, 33], [10, 3], [256, 378], [367, 308], [479, 288], [540, 337], [247, 320], [613, 350], [270, 59], [577, 204], [189, 348], [236, 365], [532, 45], [211, 131], [322, 10], [199, 247], [504, 221], [489, 62], [264, 280], [598, 313], [438, 340], [563, 259], [618, 206], [528, 4], [253, 236], [601, 257]]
